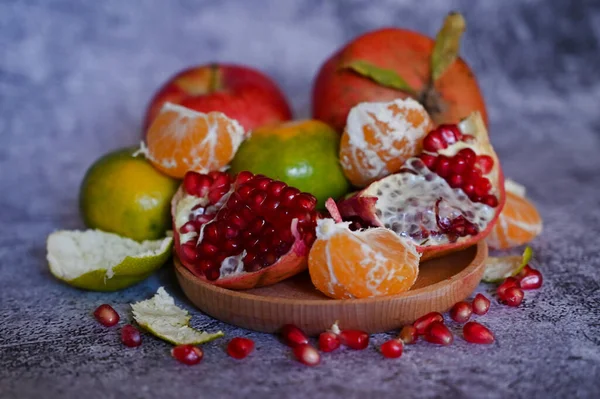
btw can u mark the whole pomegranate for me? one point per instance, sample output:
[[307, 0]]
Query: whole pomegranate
[[244, 231], [395, 63], [445, 199]]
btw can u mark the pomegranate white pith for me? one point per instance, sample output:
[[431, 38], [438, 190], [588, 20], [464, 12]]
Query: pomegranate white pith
[[242, 232], [445, 199]]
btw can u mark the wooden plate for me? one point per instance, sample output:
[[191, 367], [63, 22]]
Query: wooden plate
[[441, 283]]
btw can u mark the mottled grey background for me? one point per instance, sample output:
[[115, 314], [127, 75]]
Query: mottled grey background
[[75, 77]]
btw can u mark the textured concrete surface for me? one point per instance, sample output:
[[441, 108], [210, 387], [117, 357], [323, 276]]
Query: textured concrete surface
[[74, 80]]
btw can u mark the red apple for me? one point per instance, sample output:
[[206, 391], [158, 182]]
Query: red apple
[[240, 92], [395, 63]]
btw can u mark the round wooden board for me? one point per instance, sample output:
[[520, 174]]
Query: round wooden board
[[441, 283]]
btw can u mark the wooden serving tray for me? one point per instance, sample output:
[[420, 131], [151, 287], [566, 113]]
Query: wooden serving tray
[[441, 283]]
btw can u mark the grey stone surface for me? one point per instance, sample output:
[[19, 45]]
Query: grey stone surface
[[74, 80]]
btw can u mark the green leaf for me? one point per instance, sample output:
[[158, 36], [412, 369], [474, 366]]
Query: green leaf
[[447, 44], [527, 255], [384, 77]]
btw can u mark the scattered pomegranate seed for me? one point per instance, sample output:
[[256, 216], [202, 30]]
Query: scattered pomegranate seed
[[408, 335], [354, 339], [513, 296], [481, 304], [187, 354], [476, 333], [307, 355], [530, 279], [423, 322], [461, 312], [130, 336], [239, 347], [438, 333], [106, 315], [508, 283], [293, 336], [392, 349], [328, 341]]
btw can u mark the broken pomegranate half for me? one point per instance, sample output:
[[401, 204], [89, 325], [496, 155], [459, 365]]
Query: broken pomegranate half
[[445, 199], [244, 231]]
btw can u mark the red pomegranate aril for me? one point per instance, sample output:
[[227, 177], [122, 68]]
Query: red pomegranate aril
[[213, 274], [485, 163], [243, 177], [287, 195], [428, 160], [187, 354], [449, 133], [513, 296], [106, 315], [211, 232], [305, 201], [328, 341], [482, 186], [508, 283], [221, 180], [442, 167], [531, 279], [244, 191], [293, 335], [438, 333], [408, 335], [196, 184], [189, 227], [205, 265], [261, 182], [275, 187], [423, 322], [307, 355], [270, 205], [490, 200], [215, 195], [239, 347], [434, 142], [476, 333], [458, 165], [455, 181], [354, 339], [256, 199], [189, 251], [461, 312], [468, 188], [232, 247], [231, 232], [392, 349], [481, 304], [468, 155], [207, 249], [130, 336]]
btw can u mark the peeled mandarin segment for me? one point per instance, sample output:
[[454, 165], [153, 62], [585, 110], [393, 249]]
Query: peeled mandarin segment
[[518, 224], [380, 137], [181, 139], [376, 262]]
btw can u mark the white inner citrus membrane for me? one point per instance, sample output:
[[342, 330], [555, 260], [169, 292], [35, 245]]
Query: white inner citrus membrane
[[74, 253], [406, 204], [367, 114], [167, 321]]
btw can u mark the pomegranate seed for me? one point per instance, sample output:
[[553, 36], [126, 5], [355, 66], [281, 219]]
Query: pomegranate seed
[[423, 322], [449, 133], [239, 347], [211, 232], [531, 279], [461, 312], [481, 304], [243, 177], [187, 354], [275, 188], [468, 155], [455, 181], [293, 335], [476, 333], [408, 335], [307, 355], [508, 283], [434, 142], [130, 336], [328, 341], [354, 339], [442, 167], [215, 194], [305, 201], [513, 296], [189, 251], [428, 160], [438, 333], [208, 249], [106, 315], [192, 183], [261, 182], [287, 195], [245, 191], [490, 200], [459, 165], [485, 163], [222, 180], [189, 227], [482, 186], [392, 349], [468, 188], [205, 265]]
